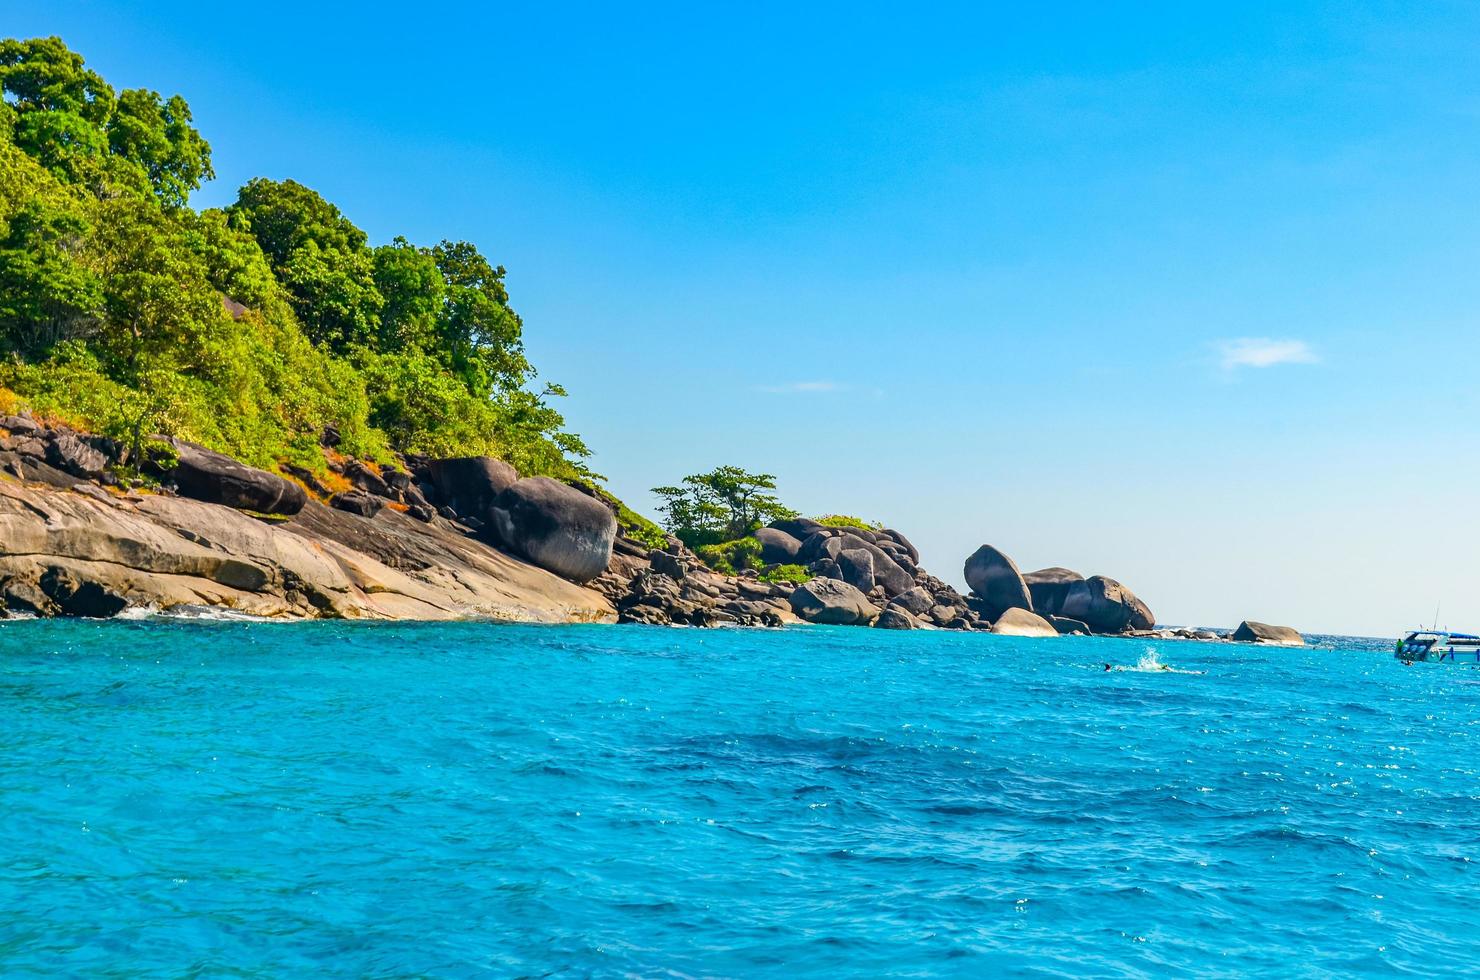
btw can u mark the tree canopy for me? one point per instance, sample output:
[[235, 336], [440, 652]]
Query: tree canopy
[[722, 505], [67, 117], [248, 329]]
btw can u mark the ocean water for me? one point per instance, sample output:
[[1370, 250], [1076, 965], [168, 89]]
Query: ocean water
[[251, 799]]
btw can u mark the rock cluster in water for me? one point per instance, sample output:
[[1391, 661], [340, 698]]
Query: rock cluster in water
[[462, 537]]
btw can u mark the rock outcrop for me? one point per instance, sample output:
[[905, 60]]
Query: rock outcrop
[[1048, 587], [1021, 622], [1060, 595], [469, 485], [1251, 632], [87, 551], [995, 580], [777, 547], [895, 618], [415, 537], [673, 587], [555, 526], [216, 479], [830, 601], [1105, 606]]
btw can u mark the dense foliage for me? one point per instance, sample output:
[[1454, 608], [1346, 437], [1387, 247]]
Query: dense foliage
[[247, 329], [722, 505], [846, 520]]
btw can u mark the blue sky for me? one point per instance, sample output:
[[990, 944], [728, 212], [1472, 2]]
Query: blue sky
[[1182, 296]]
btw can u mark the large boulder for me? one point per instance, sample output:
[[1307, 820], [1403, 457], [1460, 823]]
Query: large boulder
[[18, 425], [556, 527], [830, 601], [916, 601], [357, 502], [216, 479], [1251, 632], [856, 566], [470, 484], [368, 480], [888, 573], [822, 544], [800, 528], [996, 581], [1021, 622], [68, 453], [903, 542], [1049, 587], [895, 618], [1069, 627], [1105, 606], [829, 543], [777, 547]]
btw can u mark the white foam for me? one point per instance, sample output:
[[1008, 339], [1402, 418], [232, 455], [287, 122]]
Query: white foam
[[205, 614], [1150, 663]]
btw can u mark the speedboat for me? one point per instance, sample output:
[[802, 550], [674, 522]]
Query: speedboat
[[1440, 646]]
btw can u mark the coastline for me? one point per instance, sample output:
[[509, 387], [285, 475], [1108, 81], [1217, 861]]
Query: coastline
[[468, 539]]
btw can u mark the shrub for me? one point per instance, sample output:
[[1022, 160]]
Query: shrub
[[844, 520], [731, 557], [787, 574]]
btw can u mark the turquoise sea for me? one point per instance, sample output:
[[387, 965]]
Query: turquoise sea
[[233, 799]]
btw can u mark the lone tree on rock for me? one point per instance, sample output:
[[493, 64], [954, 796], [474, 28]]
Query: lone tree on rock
[[722, 505]]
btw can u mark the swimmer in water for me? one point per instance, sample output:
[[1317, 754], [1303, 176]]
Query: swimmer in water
[[1153, 668]]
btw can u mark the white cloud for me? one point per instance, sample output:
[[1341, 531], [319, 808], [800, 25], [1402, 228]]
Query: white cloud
[[803, 386], [1263, 352]]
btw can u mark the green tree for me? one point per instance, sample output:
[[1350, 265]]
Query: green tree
[[48, 293], [722, 505], [160, 308], [479, 335], [59, 108], [156, 135], [414, 293], [319, 256]]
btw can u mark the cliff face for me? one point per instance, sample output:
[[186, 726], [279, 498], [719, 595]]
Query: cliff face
[[85, 550]]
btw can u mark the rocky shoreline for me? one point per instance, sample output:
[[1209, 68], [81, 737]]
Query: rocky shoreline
[[81, 534]]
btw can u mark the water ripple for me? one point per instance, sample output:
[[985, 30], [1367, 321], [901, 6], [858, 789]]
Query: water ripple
[[401, 799]]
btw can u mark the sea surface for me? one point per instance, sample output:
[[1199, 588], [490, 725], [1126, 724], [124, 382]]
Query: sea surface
[[256, 799]]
